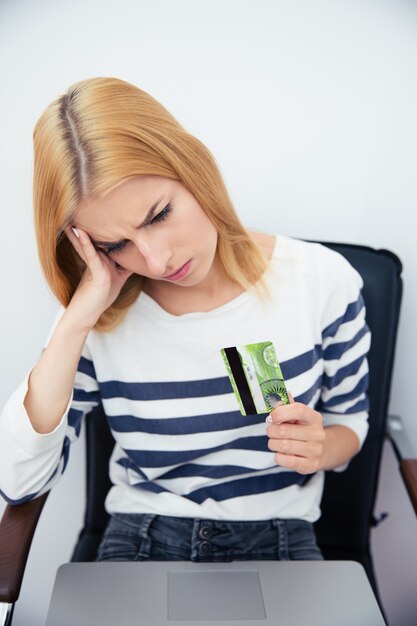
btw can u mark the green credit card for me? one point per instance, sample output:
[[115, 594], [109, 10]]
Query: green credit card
[[256, 377]]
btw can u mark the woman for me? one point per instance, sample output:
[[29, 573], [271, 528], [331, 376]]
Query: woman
[[141, 245]]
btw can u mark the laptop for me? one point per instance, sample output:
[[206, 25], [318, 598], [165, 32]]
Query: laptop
[[239, 593]]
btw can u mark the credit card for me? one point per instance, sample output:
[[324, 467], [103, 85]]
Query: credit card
[[256, 377]]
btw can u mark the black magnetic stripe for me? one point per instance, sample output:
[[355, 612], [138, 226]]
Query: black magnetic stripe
[[240, 379]]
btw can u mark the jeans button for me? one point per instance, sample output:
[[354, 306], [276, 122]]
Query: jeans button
[[205, 547], [205, 532]]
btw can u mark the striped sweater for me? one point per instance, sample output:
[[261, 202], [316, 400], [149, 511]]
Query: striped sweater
[[182, 446]]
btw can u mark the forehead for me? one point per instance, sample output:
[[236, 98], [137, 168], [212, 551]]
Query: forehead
[[131, 200], [137, 191]]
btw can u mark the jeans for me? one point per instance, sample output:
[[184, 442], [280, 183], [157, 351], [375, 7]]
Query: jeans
[[138, 537]]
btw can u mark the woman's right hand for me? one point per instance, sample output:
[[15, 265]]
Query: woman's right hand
[[100, 284]]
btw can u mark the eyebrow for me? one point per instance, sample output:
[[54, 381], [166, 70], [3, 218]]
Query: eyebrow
[[149, 215]]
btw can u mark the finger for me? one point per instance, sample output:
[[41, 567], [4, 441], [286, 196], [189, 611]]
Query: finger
[[73, 235], [297, 464], [290, 397], [306, 449], [298, 432], [122, 272], [70, 233], [94, 259], [295, 412], [75, 241], [91, 255]]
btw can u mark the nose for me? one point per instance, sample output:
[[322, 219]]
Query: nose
[[156, 254]]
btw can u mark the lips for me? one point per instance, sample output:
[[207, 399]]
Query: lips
[[180, 272]]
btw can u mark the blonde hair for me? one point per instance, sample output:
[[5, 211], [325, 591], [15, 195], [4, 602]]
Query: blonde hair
[[100, 133]]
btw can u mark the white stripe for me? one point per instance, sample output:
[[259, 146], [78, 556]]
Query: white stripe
[[315, 398], [181, 407], [344, 406], [181, 443], [301, 383], [346, 330], [293, 502], [84, 382], [356, 351], [356, 422], [71, 434], [346, 384]]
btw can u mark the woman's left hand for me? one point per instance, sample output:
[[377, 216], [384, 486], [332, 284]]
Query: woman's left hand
[[297, 436]]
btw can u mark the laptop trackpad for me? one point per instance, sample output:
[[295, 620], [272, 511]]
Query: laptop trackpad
[[215, 595]]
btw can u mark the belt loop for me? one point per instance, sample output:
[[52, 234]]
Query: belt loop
[[282, 538], [195, 540], [145, 544]]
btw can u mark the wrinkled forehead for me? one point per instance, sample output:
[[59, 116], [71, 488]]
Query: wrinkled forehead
[[140, 188], [129, 205]]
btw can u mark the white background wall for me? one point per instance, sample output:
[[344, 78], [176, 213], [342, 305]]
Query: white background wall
[[309, 107]]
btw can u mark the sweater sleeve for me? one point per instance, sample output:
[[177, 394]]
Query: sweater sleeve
[[345, 345], [31, 462]]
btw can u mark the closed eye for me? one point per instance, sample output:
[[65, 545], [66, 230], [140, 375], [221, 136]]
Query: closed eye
[[162, 215], [118, 247]]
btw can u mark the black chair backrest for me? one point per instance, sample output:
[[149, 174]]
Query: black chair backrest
[[348, 500], [349, 497]]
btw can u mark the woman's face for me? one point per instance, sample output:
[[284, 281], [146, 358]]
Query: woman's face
[[153, 226]]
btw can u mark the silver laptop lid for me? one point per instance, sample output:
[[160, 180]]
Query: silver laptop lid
[[257, 593]]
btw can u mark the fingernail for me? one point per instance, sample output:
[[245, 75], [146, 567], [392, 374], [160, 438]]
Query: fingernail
[[75, 231], [268, 419]]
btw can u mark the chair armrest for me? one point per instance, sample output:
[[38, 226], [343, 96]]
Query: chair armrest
[[17, 527], [408, 469], [404, 453]]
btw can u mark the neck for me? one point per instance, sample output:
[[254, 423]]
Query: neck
[[216, 289]]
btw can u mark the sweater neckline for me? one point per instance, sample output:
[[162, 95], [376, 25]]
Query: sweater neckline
[[152, 305]]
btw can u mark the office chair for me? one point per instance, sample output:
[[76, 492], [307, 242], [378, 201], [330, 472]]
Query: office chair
[[343, 530]]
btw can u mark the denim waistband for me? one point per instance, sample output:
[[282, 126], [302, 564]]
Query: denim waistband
[[158, 537]]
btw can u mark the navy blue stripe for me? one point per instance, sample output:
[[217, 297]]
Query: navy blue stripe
[[50, 478], [360, 388], [75, 420], [11, 501], [199, 388], [80, 395], [31, 496], [301, 363], [65, 452], [308, 395], [87, 367], [128, 464], [352, 311], [152, 487], [183, 425], [237, 488], [336, 350], [361, 405], [166, 390], [162, 458], [210, 471], [248, 486], [344, 372]]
